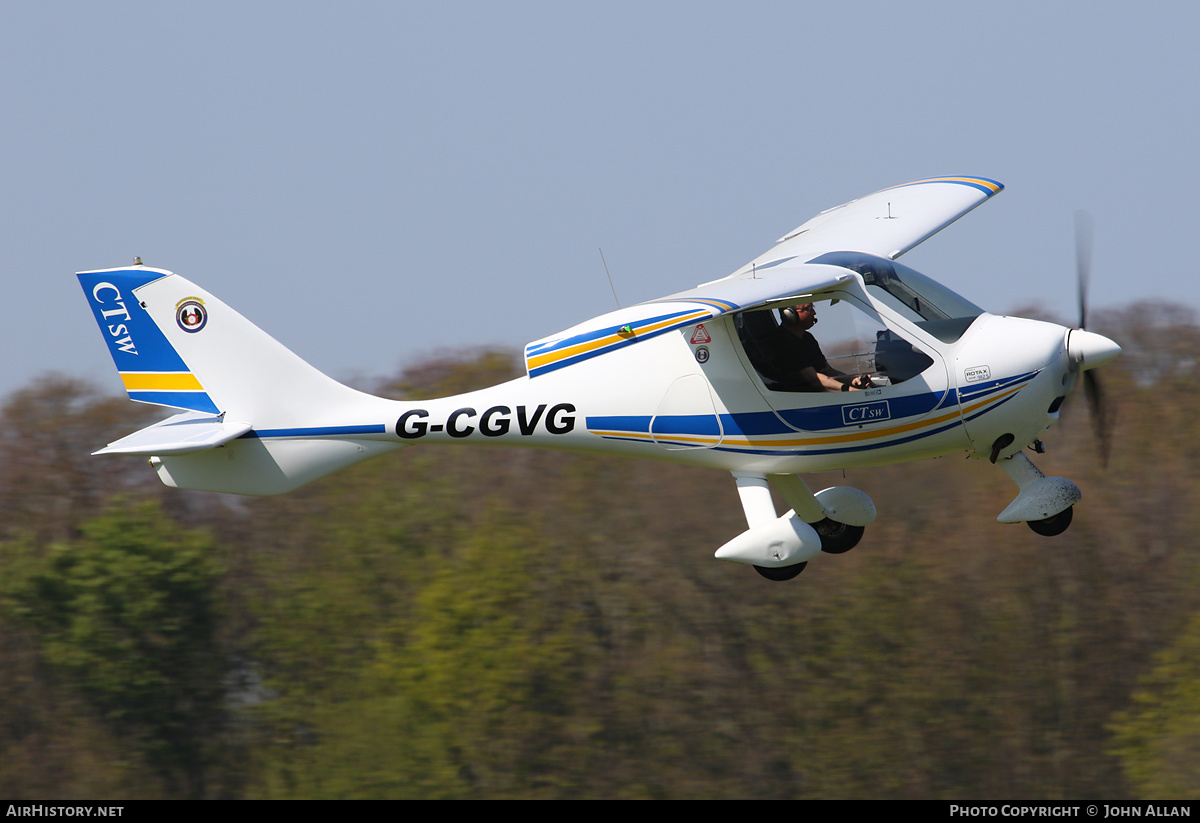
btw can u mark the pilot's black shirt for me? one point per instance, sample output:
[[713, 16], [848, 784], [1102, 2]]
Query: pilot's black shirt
[[795, 354]]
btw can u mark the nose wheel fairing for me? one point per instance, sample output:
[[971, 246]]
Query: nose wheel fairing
[[1041, 498]]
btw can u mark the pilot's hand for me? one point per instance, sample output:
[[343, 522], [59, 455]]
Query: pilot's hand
[[861, 381]]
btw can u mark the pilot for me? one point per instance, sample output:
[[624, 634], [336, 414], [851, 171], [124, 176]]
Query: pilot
[[809, 370]]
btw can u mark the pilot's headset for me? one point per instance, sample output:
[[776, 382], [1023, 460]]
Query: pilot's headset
[[788, 315]]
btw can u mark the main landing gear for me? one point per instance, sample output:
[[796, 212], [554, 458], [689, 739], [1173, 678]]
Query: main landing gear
[[838, 538], [782, 573], [779, 548]]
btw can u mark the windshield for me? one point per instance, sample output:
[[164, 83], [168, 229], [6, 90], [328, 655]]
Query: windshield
[[928, 304]]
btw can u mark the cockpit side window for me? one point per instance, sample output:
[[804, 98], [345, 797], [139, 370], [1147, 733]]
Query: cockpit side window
[[849, 348]]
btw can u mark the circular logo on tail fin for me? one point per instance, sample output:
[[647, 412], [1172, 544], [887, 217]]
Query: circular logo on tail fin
[[191, 315]]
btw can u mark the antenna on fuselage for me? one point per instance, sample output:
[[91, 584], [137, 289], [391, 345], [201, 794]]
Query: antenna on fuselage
[[610, 282]]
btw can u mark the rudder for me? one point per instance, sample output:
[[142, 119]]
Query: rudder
[[150, 368]]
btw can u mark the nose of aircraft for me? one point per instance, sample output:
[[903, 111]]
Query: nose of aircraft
[[1088, 350]]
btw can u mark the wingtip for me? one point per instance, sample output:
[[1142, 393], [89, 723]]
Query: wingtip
[[984, 184]]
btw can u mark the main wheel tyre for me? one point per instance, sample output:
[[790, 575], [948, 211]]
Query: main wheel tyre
[[780, 573], [1053, 525], [837, 538]]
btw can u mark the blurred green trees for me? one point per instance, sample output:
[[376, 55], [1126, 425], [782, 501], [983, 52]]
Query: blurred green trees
[[128, 613], [1158, 738]]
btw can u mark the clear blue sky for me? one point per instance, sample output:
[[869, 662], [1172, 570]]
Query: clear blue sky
[[372, 182]]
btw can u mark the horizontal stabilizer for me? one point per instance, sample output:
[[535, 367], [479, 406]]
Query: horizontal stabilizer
[[181, 434]]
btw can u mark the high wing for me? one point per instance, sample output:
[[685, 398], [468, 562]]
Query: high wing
[[889, 222], [886, 224]]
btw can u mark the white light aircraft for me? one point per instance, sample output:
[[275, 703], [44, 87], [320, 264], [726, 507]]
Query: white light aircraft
[[707, 377]]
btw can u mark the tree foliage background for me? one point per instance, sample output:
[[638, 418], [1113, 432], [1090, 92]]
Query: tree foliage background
[[465, 622]]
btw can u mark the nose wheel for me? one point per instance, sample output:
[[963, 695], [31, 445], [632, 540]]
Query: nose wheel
[[1052, 526]]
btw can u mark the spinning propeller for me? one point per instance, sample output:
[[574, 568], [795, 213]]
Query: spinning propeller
[[1087, 350]]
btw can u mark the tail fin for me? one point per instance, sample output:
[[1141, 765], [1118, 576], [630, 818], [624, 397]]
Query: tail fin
[[260, 421], [174, 344]]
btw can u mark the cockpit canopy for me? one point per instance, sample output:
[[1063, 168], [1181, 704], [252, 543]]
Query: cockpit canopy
[[930, 306], [853, 341]]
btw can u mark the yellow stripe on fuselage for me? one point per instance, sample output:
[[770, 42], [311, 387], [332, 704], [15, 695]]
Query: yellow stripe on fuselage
[[774, 441], [539, 360], [878, 433]]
